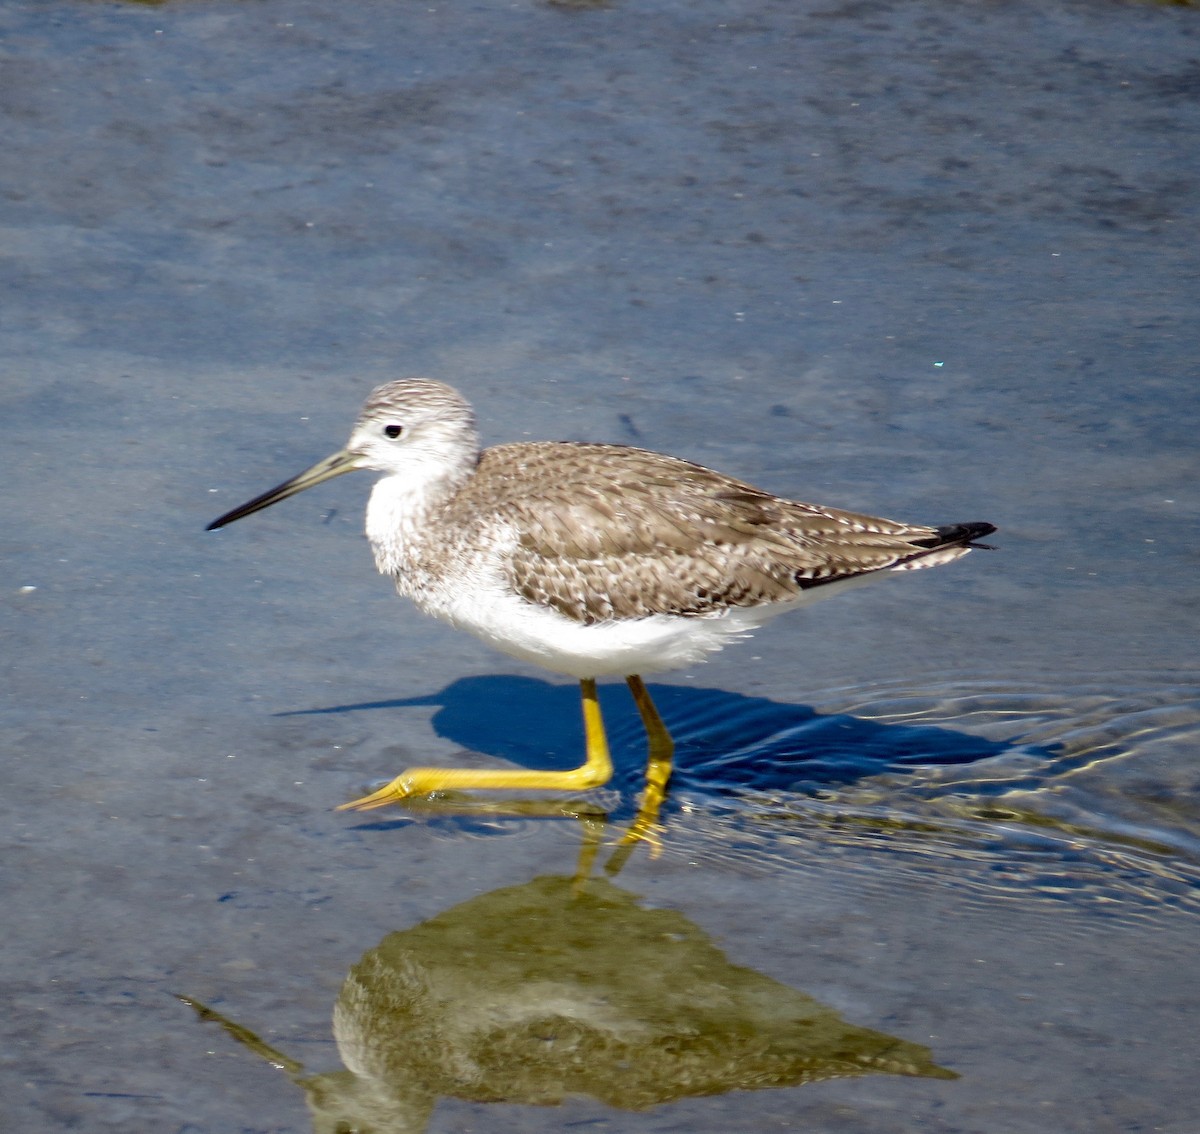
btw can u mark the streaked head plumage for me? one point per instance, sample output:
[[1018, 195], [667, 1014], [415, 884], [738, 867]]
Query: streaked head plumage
[[414, 421]]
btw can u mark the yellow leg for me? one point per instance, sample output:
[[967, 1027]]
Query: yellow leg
[[662, 747], [658, 769], [596, 770]]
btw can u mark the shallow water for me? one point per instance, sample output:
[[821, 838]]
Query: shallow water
[[922, 261]]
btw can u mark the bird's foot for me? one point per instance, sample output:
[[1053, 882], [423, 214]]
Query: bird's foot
[[400, 788], [643, 830], [645, 827]]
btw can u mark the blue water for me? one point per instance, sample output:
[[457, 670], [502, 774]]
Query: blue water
[[924, 261]]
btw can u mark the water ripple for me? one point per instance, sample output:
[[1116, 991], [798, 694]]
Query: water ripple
[[1007, 790]]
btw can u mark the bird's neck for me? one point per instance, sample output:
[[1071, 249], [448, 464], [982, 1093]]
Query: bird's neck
[[398, 511]]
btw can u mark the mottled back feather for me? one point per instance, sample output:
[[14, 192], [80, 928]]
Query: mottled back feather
[[611, 532]]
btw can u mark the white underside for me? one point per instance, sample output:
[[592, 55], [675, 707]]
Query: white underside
[[605, 649]]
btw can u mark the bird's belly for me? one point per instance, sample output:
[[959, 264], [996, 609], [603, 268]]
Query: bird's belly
[[541, 635]]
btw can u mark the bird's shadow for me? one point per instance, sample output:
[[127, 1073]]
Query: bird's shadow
[[724, 741]]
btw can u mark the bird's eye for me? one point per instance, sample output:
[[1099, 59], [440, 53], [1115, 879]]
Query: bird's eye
[[393, 431]]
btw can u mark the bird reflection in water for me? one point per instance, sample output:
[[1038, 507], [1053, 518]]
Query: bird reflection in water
[[561, 987]]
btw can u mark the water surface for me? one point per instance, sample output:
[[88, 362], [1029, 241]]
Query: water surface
[[921, 260]]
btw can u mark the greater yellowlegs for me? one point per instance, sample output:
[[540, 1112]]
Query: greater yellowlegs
[[590, 560]]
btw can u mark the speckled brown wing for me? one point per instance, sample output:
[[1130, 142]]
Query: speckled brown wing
[[610, 532]]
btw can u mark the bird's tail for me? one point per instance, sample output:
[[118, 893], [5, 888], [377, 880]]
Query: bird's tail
[[958, 535], [948, 542]]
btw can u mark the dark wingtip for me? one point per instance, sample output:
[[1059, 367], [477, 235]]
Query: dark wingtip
[[960, 535]]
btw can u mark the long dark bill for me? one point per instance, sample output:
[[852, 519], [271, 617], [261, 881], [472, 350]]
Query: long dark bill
[[327, 469]]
